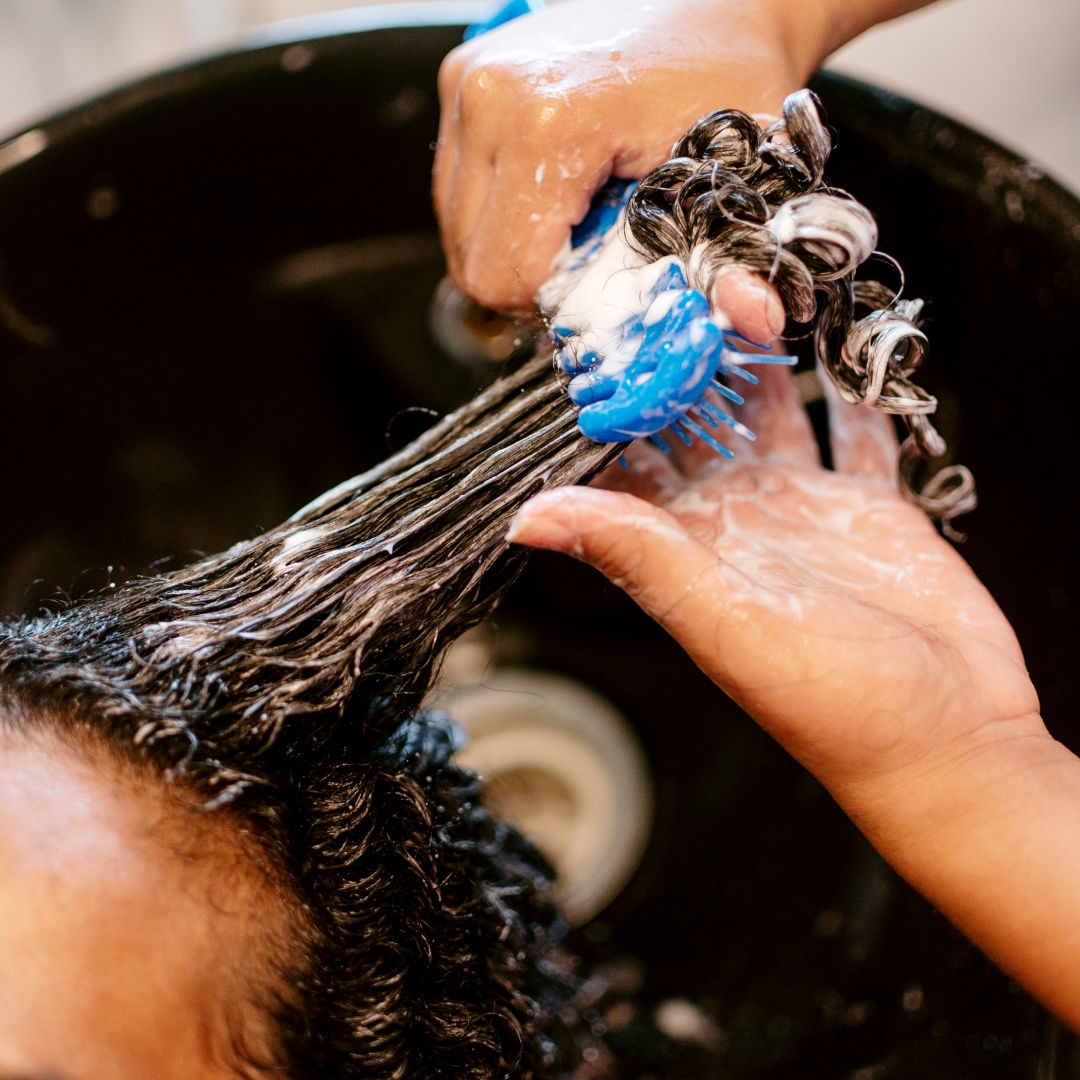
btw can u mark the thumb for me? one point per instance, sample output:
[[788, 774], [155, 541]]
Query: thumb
[[643, 550], [751, 304]]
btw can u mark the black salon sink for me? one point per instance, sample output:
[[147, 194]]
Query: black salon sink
[[214, 302]]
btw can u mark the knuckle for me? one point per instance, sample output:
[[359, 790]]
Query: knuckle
[[449, 75], [508, 92], [493, 272], [481, 86], [621, 555], [481, 285]]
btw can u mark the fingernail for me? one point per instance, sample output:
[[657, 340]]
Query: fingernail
[[750, 303], [534, 527]]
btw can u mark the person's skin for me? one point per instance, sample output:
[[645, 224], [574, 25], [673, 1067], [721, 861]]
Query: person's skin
[[539, 113], [830, 608], [128, 948], [822, 602]]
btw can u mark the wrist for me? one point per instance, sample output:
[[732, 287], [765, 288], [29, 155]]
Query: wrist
[[958, 789], [810, 31], [833, 23], [992, 839]]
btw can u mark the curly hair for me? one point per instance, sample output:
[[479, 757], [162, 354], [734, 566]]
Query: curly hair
[[736, 194], [282, 682]]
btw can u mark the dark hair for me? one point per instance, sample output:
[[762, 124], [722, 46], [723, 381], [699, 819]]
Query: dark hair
[[282, 681], [734, 194]]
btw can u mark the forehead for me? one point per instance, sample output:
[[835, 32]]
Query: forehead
[[115, 950], [63, 813]]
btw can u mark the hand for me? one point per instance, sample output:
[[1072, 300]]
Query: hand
[[821, 601], [539, 113], [832, 611]]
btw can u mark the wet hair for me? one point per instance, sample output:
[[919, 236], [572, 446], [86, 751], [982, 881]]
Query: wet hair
[[734, 194], [282, 682]]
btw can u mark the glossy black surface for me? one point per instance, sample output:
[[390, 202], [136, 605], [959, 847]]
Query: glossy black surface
[[214, 291]]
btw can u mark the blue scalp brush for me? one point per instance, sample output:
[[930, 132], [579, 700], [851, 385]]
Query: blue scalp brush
[[643, 350]]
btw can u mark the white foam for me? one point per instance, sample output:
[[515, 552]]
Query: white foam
[[600, 300]]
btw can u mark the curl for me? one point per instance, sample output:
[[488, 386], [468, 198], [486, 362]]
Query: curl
[[734, 195]]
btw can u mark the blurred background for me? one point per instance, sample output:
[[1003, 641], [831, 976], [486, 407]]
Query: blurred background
[[1011, 70]]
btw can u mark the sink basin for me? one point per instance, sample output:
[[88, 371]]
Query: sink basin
[[215, 289]]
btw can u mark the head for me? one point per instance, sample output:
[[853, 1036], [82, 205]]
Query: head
[[350, 914], [233, 842]]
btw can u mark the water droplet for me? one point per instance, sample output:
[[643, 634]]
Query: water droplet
[[297, 57], [102, 203]]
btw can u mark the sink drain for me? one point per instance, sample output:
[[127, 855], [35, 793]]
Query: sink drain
[[563, 765]]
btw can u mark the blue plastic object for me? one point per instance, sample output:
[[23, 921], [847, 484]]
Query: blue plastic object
[[674, 365], [677, 350], [679, 356], [504, 13]]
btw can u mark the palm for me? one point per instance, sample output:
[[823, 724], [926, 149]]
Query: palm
[[829, 606]]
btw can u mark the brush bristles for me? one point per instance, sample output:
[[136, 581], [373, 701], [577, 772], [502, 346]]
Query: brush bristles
[[734, 195]]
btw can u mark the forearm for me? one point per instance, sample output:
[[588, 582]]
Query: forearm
[[820, 27], [992, 839]]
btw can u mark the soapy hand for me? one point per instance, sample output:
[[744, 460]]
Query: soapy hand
[[832, 611], [821, 601], [539, 113]]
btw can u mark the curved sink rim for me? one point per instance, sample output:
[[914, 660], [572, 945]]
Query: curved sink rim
[[36, 138]]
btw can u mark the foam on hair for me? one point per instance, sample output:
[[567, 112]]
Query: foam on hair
[[736, 195]]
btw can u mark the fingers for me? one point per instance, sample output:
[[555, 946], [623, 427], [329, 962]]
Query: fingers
[[447, 167], [507, 188], [774, 412], [523, 222], [751, 305], [648, 473], [639, 547], [863, 439], [465, 161], [468, 193]]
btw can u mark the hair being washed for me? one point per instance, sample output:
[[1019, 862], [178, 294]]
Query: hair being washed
[[283, 680], [734, 194]]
